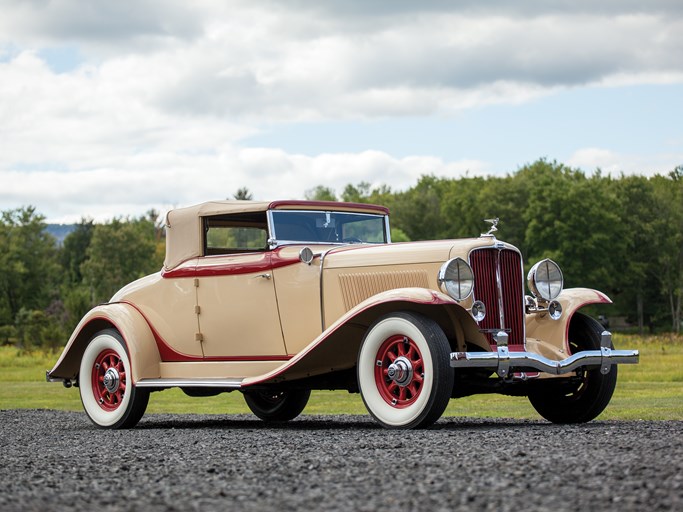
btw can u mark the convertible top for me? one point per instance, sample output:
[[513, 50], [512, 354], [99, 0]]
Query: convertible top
[[184, 225]]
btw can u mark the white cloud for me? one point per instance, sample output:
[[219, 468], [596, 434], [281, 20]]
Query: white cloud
[[155, 111], [256, 61], [610, 162], [162, 180]]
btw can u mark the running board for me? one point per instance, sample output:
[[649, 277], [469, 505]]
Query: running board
[[190, 383]]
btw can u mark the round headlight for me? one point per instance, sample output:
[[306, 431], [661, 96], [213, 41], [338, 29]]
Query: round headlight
[[456, 278], [545, 280]]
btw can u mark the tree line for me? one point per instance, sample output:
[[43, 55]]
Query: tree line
[[621, 235], [45, 289]]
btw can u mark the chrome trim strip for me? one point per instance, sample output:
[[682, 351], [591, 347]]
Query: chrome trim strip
[[272, 239], [322, 295], [499, 285], [189, 383]]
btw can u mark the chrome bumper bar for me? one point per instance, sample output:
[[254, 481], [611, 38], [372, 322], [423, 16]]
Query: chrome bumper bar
[[502, 360]]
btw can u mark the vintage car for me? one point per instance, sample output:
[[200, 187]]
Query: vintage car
[[275, 299]]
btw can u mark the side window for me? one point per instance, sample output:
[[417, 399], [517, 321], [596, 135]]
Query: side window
[[233, 234]]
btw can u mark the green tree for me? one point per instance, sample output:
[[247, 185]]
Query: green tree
[[464, 208], [28, 264], [243, 194], [638, 282], [363, 192], [575, 221], [669, 264], [320, 193], [417, 211], [119, 253], [74, 250]]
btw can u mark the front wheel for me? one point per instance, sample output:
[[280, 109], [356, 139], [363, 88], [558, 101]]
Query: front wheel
[[109, 397], [582, 398], [277, 406], [404, 375]]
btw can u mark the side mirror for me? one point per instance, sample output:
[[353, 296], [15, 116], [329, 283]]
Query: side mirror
[[306, 255]]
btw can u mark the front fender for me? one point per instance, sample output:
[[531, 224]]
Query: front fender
[[555, 332], [136, 333], [337, 347]]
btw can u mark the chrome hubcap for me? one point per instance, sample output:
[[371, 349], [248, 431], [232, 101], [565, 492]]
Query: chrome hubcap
[[401, 371], [112, 380]]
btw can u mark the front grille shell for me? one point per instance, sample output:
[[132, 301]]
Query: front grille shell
[[499, 284]]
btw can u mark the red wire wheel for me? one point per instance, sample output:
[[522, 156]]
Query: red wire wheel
[[399, 371], [108, 380]]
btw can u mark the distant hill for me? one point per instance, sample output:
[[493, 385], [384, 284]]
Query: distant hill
[[60, 231]]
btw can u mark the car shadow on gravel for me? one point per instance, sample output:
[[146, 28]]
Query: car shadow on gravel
[[312, 423]]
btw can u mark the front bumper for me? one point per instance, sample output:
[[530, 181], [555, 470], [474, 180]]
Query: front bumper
[[502, 361]]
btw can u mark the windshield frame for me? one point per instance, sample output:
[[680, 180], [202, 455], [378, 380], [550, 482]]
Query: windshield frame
[[274, 242]]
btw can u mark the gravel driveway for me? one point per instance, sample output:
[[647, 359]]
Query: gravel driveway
[[52, 460]]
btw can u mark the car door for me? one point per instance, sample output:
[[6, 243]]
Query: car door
[[237, 308]]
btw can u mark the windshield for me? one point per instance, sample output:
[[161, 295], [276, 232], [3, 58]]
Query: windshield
[[327, 227]]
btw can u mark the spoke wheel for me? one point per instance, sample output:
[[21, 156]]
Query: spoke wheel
[[277, 405], [105, 382], [403, 372], [399, 371], [109, 380], [581, 398]]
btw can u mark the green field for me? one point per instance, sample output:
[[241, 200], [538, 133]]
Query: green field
[[651, 390]]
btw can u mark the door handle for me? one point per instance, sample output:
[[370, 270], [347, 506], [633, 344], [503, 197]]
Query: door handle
[[264, 276]]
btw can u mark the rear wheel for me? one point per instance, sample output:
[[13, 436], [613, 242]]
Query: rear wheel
[[404, 375], [582, 398], [109, 397], [277, 406]]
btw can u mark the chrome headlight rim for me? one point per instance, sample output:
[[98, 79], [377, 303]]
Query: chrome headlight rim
[[456, 278], [545, 280]]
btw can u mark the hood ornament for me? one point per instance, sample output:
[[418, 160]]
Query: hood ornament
[[493, 229]]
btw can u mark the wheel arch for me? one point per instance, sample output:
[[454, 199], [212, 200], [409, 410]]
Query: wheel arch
[[129, 323], [556, 332], [337, 347]]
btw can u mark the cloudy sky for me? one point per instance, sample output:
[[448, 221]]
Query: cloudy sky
[[112, 108]]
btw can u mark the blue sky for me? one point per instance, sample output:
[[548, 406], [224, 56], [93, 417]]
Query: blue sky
[[113, 108], [643, 120]]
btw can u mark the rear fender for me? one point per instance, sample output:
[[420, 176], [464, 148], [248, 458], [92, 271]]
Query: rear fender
[[337, 347], [134, 329], [556, 332]]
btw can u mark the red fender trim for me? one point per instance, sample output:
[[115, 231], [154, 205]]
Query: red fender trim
[[422, 296], [169, 354]]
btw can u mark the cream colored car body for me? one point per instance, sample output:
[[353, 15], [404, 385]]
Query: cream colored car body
[[199, 318], [277, 298]]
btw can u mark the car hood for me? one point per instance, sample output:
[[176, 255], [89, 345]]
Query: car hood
[[403, 253]]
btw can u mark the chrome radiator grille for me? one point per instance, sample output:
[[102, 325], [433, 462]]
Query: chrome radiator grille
[[498, 283]]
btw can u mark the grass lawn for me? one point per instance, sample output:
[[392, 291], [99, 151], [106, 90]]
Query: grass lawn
[[651, 390]]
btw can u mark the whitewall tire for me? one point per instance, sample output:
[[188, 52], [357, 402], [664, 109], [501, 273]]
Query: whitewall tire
[[404, 375], [106, 383]]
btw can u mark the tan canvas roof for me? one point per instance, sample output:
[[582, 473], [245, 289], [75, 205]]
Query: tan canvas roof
[[184, 225]]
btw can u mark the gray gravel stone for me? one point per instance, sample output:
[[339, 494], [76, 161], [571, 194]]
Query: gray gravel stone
[[59, 461]]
